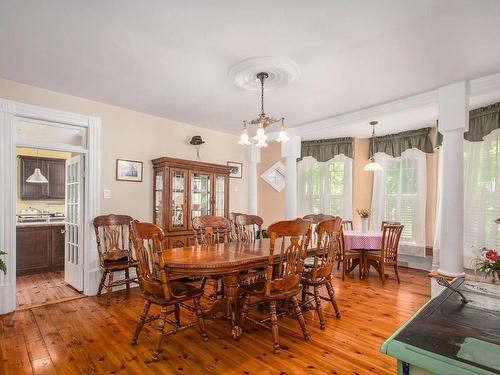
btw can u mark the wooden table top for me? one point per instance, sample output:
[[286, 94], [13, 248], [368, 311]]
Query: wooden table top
[[224, 257]]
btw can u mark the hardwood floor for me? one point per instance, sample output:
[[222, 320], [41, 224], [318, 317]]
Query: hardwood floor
[[85, 337], [43, 288]]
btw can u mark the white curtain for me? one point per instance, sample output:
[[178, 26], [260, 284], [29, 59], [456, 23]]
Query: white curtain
[[481, 195], [325, 187], [399, 194]]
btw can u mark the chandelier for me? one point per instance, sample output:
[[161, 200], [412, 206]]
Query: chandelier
[[372, 165], [262, 122]]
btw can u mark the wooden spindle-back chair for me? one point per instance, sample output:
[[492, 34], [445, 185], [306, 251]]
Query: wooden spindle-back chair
[[248, 227], [232, 220], [115, 251], [347, 225], [288, 248], [388, 254], [320, 272], [158, 289], [384, 223]]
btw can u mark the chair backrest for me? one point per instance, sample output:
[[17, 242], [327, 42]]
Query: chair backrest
[[248, 227], [295, 237], [316, 218], [147, 240], [384, 223], [328, 234], [232, 220], [113, 237], [211, 230], [390, 242], [347, 225]]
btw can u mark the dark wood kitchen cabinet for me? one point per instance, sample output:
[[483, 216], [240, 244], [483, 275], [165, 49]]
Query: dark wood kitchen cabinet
[[40, 248], [53, 169]]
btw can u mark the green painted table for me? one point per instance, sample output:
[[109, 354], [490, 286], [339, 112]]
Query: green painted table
[[448, 337]]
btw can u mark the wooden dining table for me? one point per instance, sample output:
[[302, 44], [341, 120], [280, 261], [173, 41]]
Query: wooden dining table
[[364, 242], [228, 260]]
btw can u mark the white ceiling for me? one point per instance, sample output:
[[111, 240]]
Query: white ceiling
[[171, 58]]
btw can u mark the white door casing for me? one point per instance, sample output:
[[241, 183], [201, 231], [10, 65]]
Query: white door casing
[[73, 240]]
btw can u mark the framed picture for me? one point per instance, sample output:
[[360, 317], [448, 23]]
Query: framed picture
[[236, 169], [128, 170], [275, 176]]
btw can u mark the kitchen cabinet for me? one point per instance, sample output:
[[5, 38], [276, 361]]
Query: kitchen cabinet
[[53, 169], [40, 248], [184, 189]]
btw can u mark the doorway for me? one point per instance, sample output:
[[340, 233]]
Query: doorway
[[48, 209], [44, 130]]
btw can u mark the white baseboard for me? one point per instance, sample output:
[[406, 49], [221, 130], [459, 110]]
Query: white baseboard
[[419, 263]]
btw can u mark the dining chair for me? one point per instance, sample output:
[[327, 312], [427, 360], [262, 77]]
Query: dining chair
[[388, 254], [232, 221], [347, 225], [211, 230], [348, 256], [115, 251], [384, 223], [289, 239], [158, 289], [248, 227], [320, 273]]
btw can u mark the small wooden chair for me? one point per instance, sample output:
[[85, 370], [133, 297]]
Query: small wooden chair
[[347, 225], [388, 254], [384, 223], [248, 227], [320, 273], [232, 220], [158, 289], [315, 219], [347, 256], [115, 251], [282, 278]]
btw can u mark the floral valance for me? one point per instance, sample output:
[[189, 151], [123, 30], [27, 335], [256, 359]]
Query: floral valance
[[326, 149], [483, 121], [396, 144]]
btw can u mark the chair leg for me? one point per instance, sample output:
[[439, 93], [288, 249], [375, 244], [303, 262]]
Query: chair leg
[[304, 295], [382, 272], [318, 307], [300, 318], [127, 277], [201, 321], [274, 327], [109, 288], [159, 331], [244, 309], [397, 273], [344, 265], [101, 284], [331, 293], [140, 322], [177, 312]]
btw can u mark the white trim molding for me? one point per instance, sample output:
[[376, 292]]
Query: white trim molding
[[10, 113]]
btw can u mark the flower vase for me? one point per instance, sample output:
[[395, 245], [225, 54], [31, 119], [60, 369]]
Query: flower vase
[[364, 224]]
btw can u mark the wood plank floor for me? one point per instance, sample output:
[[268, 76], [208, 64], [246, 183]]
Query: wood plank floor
[[43, 288], [84, 336]]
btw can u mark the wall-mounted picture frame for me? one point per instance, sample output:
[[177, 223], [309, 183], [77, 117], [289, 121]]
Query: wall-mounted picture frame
[[128, 170], [275, 176], [236, 170]]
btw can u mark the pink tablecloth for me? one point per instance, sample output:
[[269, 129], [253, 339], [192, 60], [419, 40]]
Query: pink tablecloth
[[356, 240]]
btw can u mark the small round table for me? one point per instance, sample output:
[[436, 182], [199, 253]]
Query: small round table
[[362, 242]]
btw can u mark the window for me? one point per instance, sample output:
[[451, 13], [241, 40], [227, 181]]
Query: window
[[325, 187], [399, 194], [481, 194]]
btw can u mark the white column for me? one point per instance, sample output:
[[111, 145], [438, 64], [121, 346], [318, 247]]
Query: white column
[[253, 160], [453, 122], [291, 151]]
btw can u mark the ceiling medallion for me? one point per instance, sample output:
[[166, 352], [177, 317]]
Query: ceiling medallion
[[251, 74]]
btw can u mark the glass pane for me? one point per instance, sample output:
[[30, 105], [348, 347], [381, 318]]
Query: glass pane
[[55, 134], [200, 194], [336, 171], [178, 192], [392, 176], [159, 199], [219, 195]]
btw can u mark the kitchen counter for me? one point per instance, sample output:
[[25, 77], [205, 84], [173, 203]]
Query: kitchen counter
[[448, 337]]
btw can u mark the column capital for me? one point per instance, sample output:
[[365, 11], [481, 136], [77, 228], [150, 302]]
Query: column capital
[[253, 153], [454, 107], [291, 149]]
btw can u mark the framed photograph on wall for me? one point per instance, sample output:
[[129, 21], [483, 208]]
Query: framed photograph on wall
[[236, 169], [128, 170]]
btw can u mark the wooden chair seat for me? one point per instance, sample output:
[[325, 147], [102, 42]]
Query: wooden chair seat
[[182, 291], [258, 289]]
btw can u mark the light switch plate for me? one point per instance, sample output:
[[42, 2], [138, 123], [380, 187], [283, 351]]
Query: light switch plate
[[107, 194]]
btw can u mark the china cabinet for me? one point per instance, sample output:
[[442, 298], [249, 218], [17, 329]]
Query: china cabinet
[[184, 189]]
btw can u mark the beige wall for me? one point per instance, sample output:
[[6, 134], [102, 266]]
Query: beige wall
[[362, 182], [133, 135]]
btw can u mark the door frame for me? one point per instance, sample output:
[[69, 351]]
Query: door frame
[[10, 113]]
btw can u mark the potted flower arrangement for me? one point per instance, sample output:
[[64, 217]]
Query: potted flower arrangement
[[3, 266], [364, 214], [488, 262]]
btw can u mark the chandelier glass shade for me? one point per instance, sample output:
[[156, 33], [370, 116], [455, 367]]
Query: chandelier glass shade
[[262, 122], [372, 165]]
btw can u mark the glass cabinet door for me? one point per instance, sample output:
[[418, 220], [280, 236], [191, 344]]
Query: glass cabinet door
[[158, 197], [200, 194], [178, 204], [220, 190]]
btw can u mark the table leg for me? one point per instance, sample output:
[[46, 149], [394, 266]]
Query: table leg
[[232, 308]]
